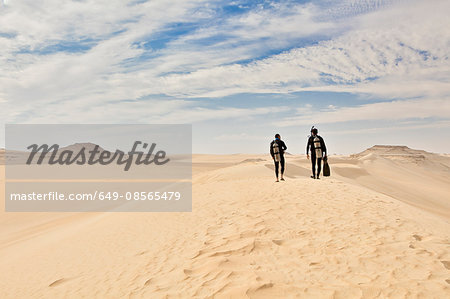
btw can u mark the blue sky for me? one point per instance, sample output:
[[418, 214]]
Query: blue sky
[[364, 72]]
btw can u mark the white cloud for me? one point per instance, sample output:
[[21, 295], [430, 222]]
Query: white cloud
[[386, 53], [139, 111], [31, 83], [390, 51], [237, 137], [411, 126], [395, 110]]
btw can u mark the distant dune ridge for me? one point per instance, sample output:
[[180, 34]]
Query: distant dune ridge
[[76, 147], [403, 153], [417, 177], [377, 228], [20, 157]]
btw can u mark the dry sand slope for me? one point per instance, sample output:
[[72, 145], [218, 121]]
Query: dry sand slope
[[246, 237]]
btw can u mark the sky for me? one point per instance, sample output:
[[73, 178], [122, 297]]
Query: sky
[[363, 72]]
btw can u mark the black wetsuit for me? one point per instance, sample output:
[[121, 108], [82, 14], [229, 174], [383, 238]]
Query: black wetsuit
[[282, 147], [310, 146]]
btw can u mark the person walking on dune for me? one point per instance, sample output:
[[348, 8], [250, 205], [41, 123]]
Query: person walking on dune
[[318, 151], [277, 148]]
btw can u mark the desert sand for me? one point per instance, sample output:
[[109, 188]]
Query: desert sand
[[377, 228]]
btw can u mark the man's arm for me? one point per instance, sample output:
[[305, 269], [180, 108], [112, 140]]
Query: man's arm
[[284, 146], [271, 149], [324, 148], [307, 146]]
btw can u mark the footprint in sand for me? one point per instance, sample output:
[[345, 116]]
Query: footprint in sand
[[187, 272], [446, 264], [417, 237], [148, 282], [251, 292], [58, 282], [278, 242]]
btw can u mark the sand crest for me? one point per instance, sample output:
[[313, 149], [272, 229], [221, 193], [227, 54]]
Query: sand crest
[[247, 237]]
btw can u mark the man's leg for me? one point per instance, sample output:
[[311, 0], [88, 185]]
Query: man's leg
[[313, 162], [319, 166], [276, 168], [282, 166]]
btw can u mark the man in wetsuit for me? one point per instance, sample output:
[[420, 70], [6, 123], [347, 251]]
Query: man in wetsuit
[[318, 151], [277, 148]]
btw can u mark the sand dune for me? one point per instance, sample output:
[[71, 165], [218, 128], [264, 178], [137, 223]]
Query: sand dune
[[377, 228], [416, 177]]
